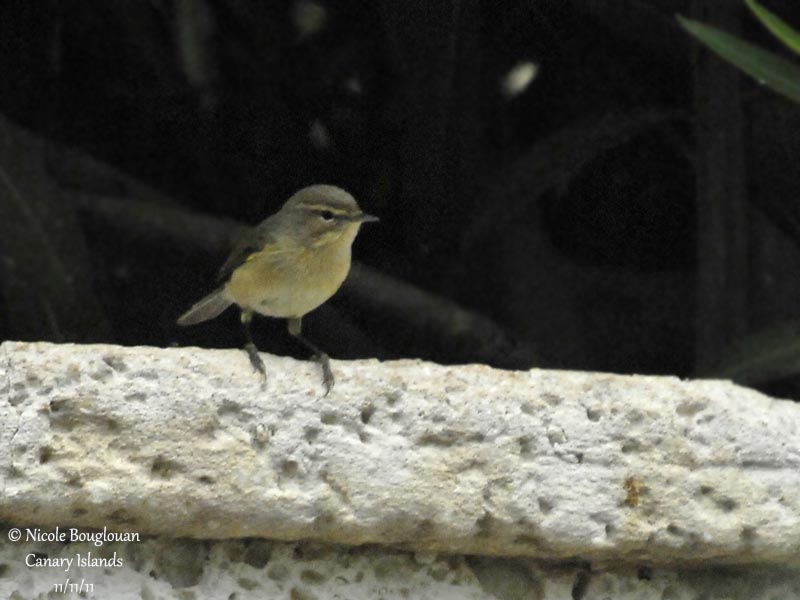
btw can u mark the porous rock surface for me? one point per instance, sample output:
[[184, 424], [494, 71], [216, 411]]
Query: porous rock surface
[[554, 465], [254, 569]]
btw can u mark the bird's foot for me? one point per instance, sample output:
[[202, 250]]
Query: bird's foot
[[327, 374], [255, 360]]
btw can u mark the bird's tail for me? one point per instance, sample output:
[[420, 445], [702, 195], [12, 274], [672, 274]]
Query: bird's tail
[[207, 308]]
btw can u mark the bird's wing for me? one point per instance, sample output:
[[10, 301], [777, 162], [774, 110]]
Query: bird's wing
[[251, 242]]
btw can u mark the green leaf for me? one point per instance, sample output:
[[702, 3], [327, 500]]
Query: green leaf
[[766, 67], [779, 28], [768, 355]]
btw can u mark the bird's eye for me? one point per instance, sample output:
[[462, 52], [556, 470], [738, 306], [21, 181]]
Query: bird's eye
[[326, 215]]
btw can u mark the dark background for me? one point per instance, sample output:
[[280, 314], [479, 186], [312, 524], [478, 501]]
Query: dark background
[[634, 209]]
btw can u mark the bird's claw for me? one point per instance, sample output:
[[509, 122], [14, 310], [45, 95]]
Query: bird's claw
[[255, 360], [327, 374]]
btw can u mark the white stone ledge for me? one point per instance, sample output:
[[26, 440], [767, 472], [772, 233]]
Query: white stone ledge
[[553, 465]]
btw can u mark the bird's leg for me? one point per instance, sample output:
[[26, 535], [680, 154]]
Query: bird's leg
[[295, 328], [250, 347]]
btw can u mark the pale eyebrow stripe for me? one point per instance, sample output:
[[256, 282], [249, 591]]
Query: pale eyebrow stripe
[[322, 207]]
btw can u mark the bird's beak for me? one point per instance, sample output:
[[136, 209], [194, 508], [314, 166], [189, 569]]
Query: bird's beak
[[365, 218]]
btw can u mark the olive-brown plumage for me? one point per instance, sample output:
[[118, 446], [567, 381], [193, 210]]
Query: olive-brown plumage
[[288, 265]]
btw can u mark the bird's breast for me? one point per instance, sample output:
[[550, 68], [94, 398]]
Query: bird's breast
[[288, 284]]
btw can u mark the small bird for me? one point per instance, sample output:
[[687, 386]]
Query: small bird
[[287, 266]]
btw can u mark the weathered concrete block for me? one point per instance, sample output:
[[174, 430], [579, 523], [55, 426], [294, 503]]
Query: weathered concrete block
[[255, 569], [554, 465]]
